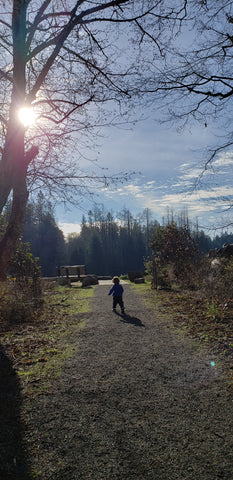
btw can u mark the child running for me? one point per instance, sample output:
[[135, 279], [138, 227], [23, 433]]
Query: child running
[[117, 291]]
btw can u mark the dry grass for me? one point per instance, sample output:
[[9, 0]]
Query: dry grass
[[204, 319], [38, 347]]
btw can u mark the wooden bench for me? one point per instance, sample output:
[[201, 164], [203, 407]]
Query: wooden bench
[[68, 271]]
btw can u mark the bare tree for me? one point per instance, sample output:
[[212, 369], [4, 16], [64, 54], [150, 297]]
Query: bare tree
[[195, 77], [66, 59]]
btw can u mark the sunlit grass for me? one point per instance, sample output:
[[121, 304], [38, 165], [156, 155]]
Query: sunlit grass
[[39, 350]]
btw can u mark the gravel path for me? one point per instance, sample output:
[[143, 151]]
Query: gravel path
[[137, 402]]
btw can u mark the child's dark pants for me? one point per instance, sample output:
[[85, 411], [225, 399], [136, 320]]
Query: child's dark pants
[[117, 300]]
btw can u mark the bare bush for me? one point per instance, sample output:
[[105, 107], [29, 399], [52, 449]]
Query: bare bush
[[21, 295]]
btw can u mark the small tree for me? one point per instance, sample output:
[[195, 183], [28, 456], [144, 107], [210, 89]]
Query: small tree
[[176, 250]]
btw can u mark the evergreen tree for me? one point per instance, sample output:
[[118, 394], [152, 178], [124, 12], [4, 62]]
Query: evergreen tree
[[45, 238], [95, 257]]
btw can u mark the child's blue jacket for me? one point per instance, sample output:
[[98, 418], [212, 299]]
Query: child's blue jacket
[[116, 291]]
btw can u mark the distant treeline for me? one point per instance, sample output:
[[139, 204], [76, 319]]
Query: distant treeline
[[108, 243]]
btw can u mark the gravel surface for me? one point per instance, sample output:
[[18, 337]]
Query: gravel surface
[[138, 401]]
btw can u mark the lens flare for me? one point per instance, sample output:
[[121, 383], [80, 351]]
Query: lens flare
[[27, 116]]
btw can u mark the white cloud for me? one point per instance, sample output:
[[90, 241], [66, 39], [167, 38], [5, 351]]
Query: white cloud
[[68, 228], [226, 159], [190, 173], [171, 167], [199, 202]]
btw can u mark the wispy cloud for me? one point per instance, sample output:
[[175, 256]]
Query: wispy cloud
[[225, 159], [199, 202], [171, 167]]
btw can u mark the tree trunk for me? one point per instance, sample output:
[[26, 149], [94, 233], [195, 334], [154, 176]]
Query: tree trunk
[[8, 243], [14, 163], [12, 157], [20, 162]]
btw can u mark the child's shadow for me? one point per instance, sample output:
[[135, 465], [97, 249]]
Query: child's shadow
[[132, 320]]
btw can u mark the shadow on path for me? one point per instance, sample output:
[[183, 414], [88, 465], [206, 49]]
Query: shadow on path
[[128, 319], [13, 464]]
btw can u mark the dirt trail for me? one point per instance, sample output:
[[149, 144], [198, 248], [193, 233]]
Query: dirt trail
[[137, 402]]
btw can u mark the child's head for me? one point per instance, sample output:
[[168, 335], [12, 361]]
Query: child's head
[[116, 280]]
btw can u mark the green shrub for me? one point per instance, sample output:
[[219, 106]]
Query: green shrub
[[21, 294]]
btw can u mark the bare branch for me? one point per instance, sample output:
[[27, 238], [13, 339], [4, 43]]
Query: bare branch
[[36, 22], [88, 63], [6, 76], [69, 113]]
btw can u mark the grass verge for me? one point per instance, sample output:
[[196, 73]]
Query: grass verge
[[192, 314], [38, 349]]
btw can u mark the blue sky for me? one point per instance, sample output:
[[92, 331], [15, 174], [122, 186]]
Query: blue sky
[[167, 165]]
